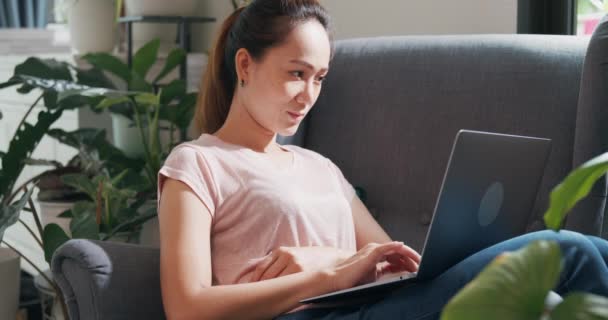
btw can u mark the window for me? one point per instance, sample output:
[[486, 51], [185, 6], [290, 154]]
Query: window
[[589, 14]]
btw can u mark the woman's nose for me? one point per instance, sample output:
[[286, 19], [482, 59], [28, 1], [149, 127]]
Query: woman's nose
[[307, 95]]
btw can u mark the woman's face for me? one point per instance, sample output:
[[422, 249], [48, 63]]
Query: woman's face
[[282, 87]]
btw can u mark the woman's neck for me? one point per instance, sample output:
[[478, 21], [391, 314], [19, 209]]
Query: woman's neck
[[241, 129]]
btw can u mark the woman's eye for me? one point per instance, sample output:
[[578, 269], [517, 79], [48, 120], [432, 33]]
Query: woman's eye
[[298, 74], [320, 79]]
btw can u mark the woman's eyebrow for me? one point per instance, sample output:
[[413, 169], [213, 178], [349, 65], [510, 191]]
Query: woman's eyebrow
[[306, 64]]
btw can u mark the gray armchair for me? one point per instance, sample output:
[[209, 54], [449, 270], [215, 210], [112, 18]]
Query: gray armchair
[[387, 115]]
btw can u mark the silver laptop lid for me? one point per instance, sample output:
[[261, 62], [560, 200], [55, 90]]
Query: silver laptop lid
[[486, 197]]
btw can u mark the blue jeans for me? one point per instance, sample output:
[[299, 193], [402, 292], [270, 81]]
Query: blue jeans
[[585, 269]]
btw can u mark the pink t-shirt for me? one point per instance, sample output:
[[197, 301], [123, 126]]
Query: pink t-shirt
[[256, 207]]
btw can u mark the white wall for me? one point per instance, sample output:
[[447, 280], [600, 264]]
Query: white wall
[[366, 18], [363, 18]]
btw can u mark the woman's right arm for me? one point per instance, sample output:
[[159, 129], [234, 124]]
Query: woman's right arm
[[185, 265]]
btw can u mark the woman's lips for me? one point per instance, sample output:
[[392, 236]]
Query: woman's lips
[[295, 116]]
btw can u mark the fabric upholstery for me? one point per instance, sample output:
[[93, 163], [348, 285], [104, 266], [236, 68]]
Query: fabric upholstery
[[390, 109]]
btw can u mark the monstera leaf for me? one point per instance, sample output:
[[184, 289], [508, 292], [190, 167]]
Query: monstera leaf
[[44, 68], [36, 68], [575, 187]]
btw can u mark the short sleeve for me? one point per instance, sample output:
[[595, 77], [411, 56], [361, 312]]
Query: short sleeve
[[347, 189], [189, 166]]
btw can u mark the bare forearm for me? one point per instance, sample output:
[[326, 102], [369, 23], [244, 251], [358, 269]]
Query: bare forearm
[[257, 300]]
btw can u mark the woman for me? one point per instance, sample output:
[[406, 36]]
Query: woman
[[250, 227]]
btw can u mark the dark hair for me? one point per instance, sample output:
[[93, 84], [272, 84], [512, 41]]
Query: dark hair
[[257, 27]]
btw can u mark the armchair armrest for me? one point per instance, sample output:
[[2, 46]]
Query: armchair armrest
[[108, 280]]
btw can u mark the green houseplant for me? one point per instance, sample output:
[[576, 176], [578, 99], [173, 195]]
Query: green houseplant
[[25, 140], [115, 187], [515, 284]]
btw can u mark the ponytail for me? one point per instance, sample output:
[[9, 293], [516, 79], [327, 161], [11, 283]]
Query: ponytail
[[217, 87]]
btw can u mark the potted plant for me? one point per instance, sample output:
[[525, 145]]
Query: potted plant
[[534, 270], [15, 199], [115, 197], [155, 117], [94, 155]]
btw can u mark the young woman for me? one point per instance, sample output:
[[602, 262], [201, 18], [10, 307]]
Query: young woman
[[250, 227]]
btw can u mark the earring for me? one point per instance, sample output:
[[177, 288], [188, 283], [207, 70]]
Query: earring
[[242, 83]]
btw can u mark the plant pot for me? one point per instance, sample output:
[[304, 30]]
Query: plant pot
[[9, 278], [50, 210], [167, 33], [126, 137], [92, 25], [51, 306]]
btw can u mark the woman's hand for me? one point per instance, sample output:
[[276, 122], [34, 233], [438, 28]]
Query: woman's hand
[[287, 260], [372, 261]]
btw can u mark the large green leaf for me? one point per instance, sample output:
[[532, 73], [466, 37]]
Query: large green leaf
[[513, 286], [11, 82], [107, 103], [575, 187], [174, 59], [581, 306], [182, 113], [145, 57], [57, 85], [147, 99], [174, 90], [21, 147], [9, 214], [185, 110], [81, 183], [138, 83], [94, 77], [52, 238], [110, 63], [49, 69]]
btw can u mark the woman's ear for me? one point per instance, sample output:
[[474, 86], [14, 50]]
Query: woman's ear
[[244, 64]]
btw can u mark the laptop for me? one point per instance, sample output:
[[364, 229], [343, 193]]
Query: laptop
[[487, 196]]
